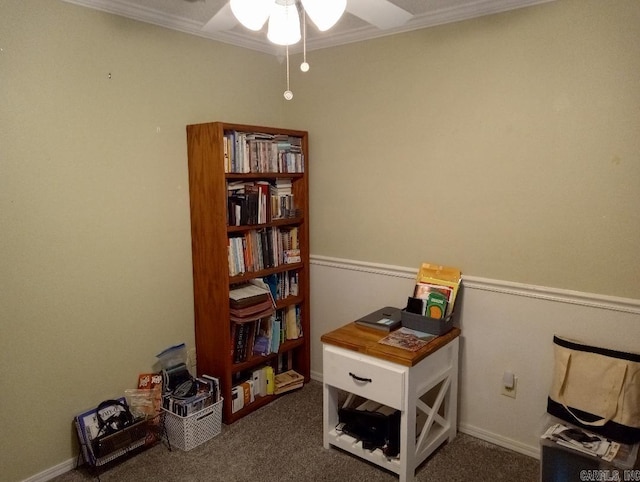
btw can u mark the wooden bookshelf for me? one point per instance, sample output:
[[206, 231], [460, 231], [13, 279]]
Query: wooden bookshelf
[[209, 180]]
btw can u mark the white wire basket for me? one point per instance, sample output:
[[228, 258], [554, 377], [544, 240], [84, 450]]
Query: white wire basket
[[188, 432]]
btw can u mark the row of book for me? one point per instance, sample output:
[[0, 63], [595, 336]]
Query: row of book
[[259, 202], [244, 339], [264, 336], [260, 249], [246, 152], [287, 284], [262, 382]]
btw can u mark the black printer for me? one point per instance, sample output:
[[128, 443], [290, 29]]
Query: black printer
[[376, 426]]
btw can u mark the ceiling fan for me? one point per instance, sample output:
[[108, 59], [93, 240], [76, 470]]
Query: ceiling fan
[[379, 13], [283, 18]]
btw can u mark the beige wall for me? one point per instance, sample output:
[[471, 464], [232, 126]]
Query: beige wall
[[95, 253], [506, 145]]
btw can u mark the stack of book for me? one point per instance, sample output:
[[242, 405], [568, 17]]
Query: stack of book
[[282, 200], [251, 307], [242, 311]]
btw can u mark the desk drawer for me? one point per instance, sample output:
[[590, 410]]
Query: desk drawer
[[365, 376]]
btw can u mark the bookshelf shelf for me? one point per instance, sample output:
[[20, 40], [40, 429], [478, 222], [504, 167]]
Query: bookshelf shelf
[[214, 156], [259, 402], [263, 175], [258, 360], [265, 272], [290, 300], [276, 222]]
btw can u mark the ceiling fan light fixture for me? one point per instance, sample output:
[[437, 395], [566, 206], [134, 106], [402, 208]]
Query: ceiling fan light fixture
[[251, 13], [324, 13], [284, 23]]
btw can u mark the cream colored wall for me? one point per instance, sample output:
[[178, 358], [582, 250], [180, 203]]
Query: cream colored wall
[[95, 254], [506, 145]]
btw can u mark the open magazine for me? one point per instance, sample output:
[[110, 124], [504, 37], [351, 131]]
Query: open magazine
[[578, 439], [407, 339]]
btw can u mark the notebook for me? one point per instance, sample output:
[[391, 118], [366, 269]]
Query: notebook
[[385, 319]]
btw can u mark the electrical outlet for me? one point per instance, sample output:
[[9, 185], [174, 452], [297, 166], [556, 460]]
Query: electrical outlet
[[510, 392]]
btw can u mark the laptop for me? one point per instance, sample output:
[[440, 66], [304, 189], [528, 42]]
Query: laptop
[[385, 319]]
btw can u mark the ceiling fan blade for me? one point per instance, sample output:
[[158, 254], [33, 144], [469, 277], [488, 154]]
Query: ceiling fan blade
[[381, 13], [223, 20]]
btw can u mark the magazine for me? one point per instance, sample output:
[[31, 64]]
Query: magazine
[[587, 442], [407, 339]]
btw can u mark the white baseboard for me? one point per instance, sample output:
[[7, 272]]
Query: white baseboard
[[53, 472], [317, 376], [500, 441]]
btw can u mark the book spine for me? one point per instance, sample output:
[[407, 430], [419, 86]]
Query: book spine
[[270, 381]]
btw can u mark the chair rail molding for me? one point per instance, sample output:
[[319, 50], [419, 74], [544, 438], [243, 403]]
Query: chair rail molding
[[591, 300]]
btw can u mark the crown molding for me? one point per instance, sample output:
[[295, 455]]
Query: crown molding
[[471, 9]]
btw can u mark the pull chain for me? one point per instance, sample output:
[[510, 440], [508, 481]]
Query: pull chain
[[288, 95], [304, 66]]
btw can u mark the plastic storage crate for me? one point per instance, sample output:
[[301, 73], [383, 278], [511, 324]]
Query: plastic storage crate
[[188, 432], [559, 463]]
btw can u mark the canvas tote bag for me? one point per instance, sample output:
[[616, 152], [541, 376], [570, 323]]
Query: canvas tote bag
[[597, 389]]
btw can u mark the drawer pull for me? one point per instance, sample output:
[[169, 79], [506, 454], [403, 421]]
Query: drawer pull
[[360, 379]]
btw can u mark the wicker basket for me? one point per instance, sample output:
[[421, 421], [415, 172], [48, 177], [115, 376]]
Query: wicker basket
[[188, 432]]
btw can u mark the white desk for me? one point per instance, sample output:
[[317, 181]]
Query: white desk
[[423, 385]]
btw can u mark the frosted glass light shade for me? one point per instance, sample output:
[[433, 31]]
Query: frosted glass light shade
[[251, 13], [284, 23], [324, 13]]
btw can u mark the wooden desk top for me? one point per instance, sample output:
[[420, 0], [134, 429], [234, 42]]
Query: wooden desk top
[[365, 340]]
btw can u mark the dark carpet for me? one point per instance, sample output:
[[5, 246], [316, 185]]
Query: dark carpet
[[283, 442]]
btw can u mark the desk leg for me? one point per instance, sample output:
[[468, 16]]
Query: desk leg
[[431, 386], [330, 412], [408, 436], [451, 407]]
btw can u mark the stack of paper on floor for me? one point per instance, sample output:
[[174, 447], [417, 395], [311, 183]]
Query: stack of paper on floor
[[287, 381]]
